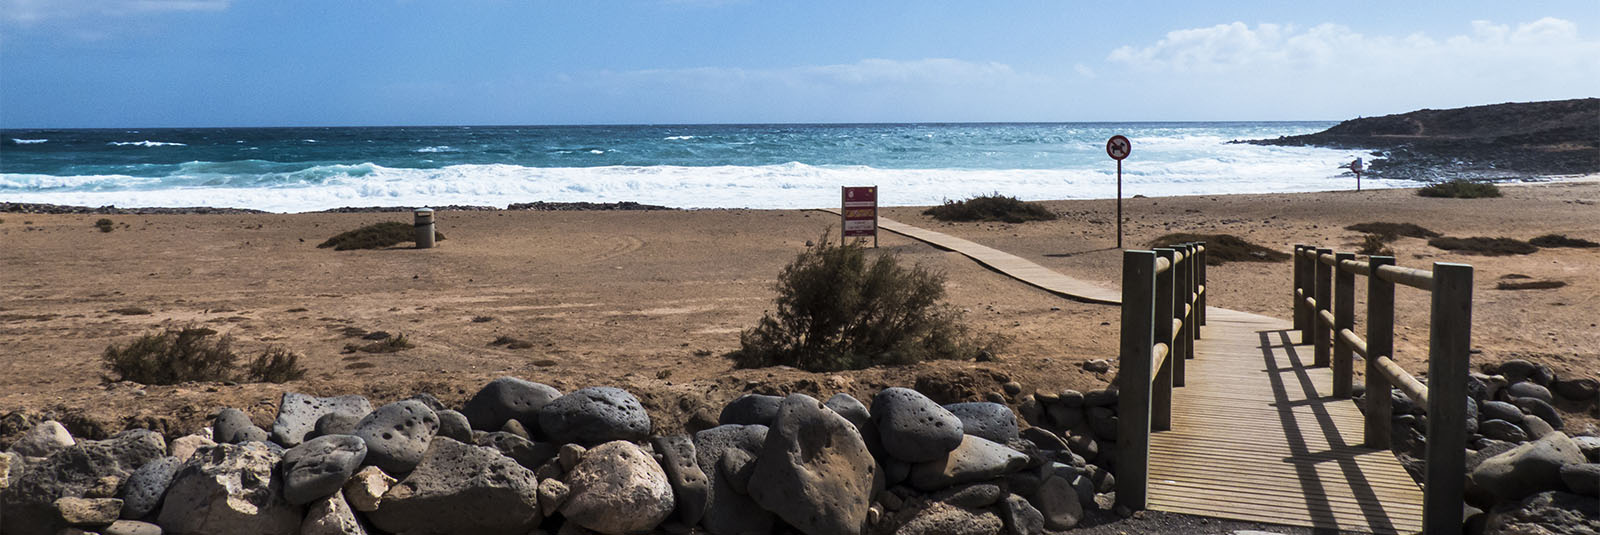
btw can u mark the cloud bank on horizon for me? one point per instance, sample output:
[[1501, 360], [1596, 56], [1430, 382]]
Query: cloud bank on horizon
[[56, 51]]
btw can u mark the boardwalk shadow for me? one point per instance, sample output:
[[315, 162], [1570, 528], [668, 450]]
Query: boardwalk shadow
[[1076, 253], [1298, 437]]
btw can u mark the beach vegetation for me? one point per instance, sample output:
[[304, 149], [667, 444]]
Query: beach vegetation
[[388, 344], [275, 365], [1375, 245], [511, 342], [840, 309], [1223, 248], [105, 225], [1549, 241], [172, 356], [131, 311], [991, 207], [1460, 189], [1393, 231], [482, 319], [1529, 285], [376, 236], [1480, 245]]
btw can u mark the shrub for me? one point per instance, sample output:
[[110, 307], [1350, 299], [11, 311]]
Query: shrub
[[1484, 246], [389, 344], [1222, 248], [992, 207], [839, 310], [1529, 285], [1373, 244], [1561, 240], [511, 342], [131, 311], [275, 365], [105, 225], [1393, 231], [172, 356], [1460, 189], [375, 236]]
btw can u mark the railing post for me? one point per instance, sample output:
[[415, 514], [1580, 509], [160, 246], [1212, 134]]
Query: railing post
[[1200, 279], [1133, 377], [1324, 297], [1449, 344], [1161, 385], [1303, 271], [1180, 296], [1380, 342], [1344, 317], [1189, 315]]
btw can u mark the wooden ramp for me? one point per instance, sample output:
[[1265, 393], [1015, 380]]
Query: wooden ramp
[[1255, 436], [1015, 266]]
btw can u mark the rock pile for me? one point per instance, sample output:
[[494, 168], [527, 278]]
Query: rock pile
[[1522, 464], [522, 457]]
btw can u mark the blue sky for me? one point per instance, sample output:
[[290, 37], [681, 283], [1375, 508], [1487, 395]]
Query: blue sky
[[149, 63]]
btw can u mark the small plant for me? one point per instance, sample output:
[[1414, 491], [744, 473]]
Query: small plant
[[1393, 231], [1561, 240], [839, 310], [387, 345], [482, 319], [1529, 285], [275, 365], [105, 225], [1373, 244], [511, 342], [1460, 189], [172, 356], [1223, 248], [375, 236], [1484, 246], [131, 311], [992, 207]]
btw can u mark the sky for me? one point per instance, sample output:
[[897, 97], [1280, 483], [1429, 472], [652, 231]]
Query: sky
[[198, 63]]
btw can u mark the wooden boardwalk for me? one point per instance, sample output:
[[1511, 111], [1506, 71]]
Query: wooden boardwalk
[[1255, 432]]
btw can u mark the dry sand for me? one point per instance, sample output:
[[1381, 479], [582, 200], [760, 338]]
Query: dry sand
[[651, 301]]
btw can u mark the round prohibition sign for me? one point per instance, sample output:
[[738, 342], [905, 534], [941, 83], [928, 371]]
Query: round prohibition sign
[[1118, 147]]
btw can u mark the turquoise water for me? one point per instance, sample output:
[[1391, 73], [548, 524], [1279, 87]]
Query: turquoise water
[[725, 166]]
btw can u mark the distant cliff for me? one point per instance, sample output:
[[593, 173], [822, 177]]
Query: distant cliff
[[1510, 140]]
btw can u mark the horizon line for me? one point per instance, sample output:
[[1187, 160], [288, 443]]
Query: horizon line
[[660, 125]]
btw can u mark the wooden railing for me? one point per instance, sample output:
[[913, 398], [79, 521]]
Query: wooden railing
[[1163, 307], [1324, 313]]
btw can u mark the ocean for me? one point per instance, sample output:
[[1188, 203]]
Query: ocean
[[690, 166]]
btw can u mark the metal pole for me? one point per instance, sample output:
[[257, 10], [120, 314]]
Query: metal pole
[[1119, 204]]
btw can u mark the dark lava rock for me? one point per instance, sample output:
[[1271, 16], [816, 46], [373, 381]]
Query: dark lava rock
[[1581, 389], [750, 409], [1500, 410], [1582, 478], [1043, 439], [1502, 430], [397, 435], [617, 488], [1542, 409], [1104, 423], [1527, 469], [28, 503], [336, 423], [594, 415], [991, 421], [508, 398], [298, 414], [459, 489], [728, 510], [814, 471], [320, 467], [233, 426], [143, 490], [940, 518], [230, 488], [454, 425], [529, 454], [689, 483], [973, 496], [912, 427], [1101, 398], [1021, 517], [1528, 389], [1517, 370], [976, 459], [1553, 512]]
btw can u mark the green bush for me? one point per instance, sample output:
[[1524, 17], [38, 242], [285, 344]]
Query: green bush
[[1223, 248], [105, 225], [275, 365], [992, 207], [172, 356], [387, 344], [1460, 189], [839, 310], [376, 236], [1561, 240], [1484, 246], [1373, 244]]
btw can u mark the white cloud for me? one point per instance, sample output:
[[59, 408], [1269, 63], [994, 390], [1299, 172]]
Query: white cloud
[[33, 11]]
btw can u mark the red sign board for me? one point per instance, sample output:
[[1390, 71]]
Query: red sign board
[[859, 207], [1118, 147]]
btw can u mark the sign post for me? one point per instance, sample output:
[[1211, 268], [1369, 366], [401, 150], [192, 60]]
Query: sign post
[[859, 212], [1118, 147], [1357, 168]]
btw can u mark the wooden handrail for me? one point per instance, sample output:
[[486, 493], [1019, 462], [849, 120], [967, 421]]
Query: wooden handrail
[[1324, 313]]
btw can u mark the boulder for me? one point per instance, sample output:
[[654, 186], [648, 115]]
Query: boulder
[[130, 527], [552, 493], [454, 425], [1064, 417], [458, 489], [1499, 410], [364, 492], [1545, 513], [1529, 389], [331, 515], [1101, 398], [1020, 517], [1043, 439], [991, 421], [43, 439], [1582, 478], [975, 496], [1059, 503], [569, 455], [912, 427], [976, 459], [88, 511], [750, 409], [29, 499], [728, 510], [1541, 409], [321, 466], [1071, 398], [529, 454], [856, 412], [1590, 447], [594, 415], [298, 414], [1103, 421], [1527, 469], [689, 483], [233, 426], [515, 427], [143, 490], [814, 470], [508, 398], [1031, 410], [184, 447], [1502, 430], [940, 518], [1580, 389], [229, 489], [397, 435], [1537, 427], [616, 489], [1516, 370], [336, 423]]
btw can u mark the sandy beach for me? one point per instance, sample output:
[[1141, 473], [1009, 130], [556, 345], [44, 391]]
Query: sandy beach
[[652, 301]]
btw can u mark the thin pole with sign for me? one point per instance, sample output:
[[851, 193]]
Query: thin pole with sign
[[1118, 147], [858, 212], [1357, 168]]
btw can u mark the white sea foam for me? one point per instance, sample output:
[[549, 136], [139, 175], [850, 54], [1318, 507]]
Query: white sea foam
[[146, 143], [436, 148], [677, 138], [28, 141]]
